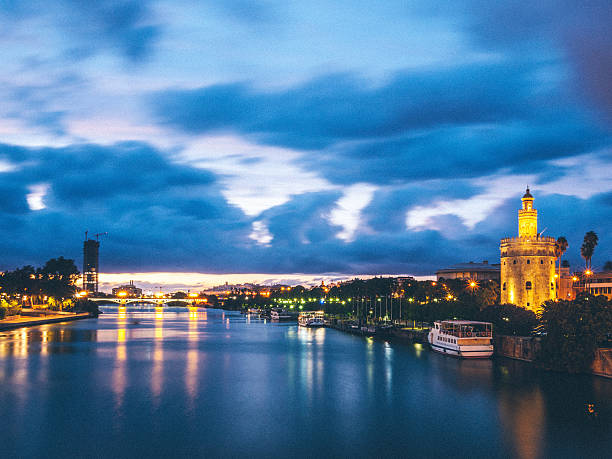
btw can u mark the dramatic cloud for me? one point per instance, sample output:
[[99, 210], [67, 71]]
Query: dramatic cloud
[[300, 137], [115, 25]]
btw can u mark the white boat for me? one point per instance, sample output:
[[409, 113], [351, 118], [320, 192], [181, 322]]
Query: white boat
[[462, 338], [312, 319], [279, 314]]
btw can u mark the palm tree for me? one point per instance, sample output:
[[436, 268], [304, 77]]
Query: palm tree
[[588, 248], [560, 248]]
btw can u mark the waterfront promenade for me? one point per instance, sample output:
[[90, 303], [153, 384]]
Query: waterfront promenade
[[49, 318]]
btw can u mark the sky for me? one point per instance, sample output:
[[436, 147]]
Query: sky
[[282, 138]]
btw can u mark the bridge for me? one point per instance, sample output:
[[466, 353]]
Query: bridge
[[152, 300]]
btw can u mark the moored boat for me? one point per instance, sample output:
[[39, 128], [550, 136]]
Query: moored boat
[[279, 314], [312, 319], [462, 338]]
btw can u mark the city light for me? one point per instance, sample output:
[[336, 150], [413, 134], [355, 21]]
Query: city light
[[122, 293]]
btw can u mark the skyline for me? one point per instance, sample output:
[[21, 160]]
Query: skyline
[[276, 138]]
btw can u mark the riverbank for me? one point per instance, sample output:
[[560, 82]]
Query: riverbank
[[525, 348], [30, 321]]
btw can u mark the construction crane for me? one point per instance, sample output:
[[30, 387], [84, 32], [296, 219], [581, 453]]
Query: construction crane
[[100, 234]]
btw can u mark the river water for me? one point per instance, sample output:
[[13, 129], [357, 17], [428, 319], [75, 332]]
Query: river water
[[147, 382]]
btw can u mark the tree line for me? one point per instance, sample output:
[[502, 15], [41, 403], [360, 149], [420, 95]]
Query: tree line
[[51, 284]]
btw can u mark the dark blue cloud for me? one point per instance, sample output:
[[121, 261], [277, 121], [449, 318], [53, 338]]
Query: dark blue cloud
[[157, 213], [165, 216], [458, 122], [578, 31], [121, 26], [342, 107]]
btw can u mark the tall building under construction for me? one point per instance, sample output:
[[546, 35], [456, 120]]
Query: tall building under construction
[[91, 250]]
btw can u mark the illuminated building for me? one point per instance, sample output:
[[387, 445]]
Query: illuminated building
[[129, 291], [528, 262], [471, 270], [600, 284]]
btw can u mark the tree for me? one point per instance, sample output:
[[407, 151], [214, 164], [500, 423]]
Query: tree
[[573, 330], [588, 248], [59, 277], [560, 248], [508, 319]]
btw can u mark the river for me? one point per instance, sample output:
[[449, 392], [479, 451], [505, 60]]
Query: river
[[172, 382]]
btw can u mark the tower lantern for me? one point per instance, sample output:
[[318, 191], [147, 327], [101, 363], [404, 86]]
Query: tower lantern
[[528, 217]]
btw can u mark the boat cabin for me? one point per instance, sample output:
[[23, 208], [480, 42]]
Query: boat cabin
[[465, 328]]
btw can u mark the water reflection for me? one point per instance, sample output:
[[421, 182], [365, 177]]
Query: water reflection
[[157, 375], [522, 415], [167, 370], [119, 371], [191, 371]]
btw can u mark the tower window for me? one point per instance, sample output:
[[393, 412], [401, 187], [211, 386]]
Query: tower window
[[514, 262], [528, 262], [541, 262], [504, 286], [527, 304], [528, 285], [552, 286]]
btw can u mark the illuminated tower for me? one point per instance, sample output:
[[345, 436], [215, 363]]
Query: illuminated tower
[[528, 262], [90, 265]]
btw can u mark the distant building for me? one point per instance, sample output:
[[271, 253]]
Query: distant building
[[471, 270], [90, 265], [128, 291], [600, 284], [565, 284], [528, 262]]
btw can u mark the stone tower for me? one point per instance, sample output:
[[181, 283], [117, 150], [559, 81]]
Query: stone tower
[[527, 262]]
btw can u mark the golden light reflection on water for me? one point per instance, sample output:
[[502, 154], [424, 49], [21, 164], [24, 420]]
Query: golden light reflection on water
[[522, 415], [191, 370], [44, 344], [158, 355], [119, 371]]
